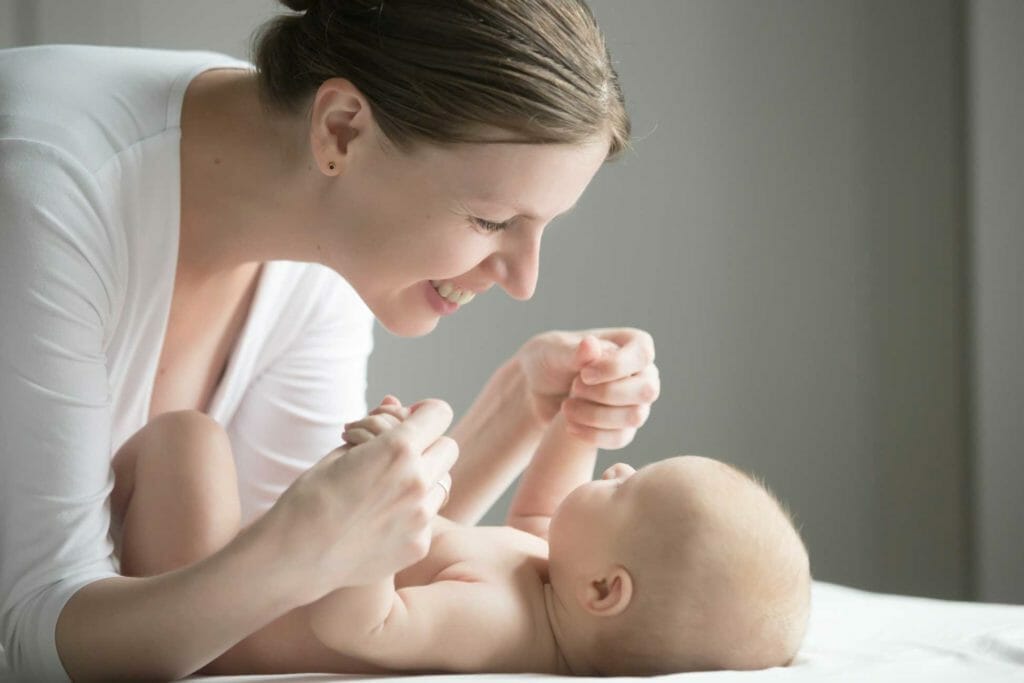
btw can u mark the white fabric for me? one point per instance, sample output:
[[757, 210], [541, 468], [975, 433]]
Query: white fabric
[[89, 220]]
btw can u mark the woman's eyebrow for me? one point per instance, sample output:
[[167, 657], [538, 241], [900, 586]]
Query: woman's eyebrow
[[531, 217]]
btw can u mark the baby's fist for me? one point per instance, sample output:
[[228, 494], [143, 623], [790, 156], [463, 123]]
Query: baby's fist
[[388, 415]]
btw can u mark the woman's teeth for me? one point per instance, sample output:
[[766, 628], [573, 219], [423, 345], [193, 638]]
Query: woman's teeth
[[451, 293]]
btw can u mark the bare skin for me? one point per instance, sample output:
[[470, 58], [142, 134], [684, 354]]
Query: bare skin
[[483, 599], [259, 186], [202, 330], [177, 503]]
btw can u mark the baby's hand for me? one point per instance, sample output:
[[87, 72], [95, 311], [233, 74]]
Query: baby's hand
[[388, 415]]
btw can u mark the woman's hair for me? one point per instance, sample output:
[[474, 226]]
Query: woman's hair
[[445, 71]]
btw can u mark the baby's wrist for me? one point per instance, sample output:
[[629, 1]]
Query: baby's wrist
[[569, 436]]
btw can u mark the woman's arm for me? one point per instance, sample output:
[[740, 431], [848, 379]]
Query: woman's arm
[[322, 534], [496, 437], [167, 626], [501, 430]]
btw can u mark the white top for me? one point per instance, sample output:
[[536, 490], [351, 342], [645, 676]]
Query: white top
[[89, 227]]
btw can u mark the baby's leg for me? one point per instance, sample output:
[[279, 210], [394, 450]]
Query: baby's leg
[[175, 494]]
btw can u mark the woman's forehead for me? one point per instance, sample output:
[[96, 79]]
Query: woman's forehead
[[533, 181]]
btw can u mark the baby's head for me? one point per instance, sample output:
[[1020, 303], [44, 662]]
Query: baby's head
[[685, 565]]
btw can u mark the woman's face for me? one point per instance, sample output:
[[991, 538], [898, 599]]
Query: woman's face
[[399, 222]]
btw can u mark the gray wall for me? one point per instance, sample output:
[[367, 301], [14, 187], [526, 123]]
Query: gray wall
[[792, 229], [997, 214]]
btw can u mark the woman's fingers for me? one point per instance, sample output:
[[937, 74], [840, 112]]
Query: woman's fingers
[[427, 421], [589, 414], [608, 439], [635, 352], [643, 387], [356, 436], [437, 461], [439, 493]]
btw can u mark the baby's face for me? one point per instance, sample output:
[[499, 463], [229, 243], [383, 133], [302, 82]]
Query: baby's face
[[706, 496], [595, 512]]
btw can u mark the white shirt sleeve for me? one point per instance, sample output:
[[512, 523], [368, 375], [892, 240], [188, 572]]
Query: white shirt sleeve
[[292, 413], [59, 291]]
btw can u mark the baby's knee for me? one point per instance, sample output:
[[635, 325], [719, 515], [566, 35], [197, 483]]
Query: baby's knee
[[188, 428], [185, 444], [191, 452]]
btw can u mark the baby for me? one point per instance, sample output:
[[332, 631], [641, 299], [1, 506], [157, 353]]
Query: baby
[[687, 564]]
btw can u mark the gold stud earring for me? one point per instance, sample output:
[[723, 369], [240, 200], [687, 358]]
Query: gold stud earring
[[331, 165]]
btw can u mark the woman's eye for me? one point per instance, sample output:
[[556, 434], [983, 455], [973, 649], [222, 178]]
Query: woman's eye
[[490, 226]]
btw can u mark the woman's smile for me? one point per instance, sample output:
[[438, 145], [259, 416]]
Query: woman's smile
[[441, 305]]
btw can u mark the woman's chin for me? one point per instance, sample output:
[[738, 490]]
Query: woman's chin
[[408, 326]]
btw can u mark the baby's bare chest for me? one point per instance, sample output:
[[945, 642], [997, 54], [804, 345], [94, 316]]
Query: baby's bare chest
[[513, 565], [497, 555]]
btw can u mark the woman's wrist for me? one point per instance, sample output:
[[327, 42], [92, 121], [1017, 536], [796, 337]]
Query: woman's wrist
[[268, 546], [496, 437], [517, 405], [510, 375], [263, 547]]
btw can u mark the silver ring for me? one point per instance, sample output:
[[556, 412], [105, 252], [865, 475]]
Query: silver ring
[[447, 493]]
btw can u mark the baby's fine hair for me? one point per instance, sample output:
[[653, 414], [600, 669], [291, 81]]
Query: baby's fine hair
[[674, 602]]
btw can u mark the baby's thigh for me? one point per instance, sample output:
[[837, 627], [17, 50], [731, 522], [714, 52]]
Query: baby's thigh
[[184, 450]]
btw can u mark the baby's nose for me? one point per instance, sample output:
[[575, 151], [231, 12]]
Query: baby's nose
[[618, 470]]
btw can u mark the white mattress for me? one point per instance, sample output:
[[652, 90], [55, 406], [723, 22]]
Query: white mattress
[[854, 636]]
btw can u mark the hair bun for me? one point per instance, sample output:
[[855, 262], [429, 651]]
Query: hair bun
[[299, 5]]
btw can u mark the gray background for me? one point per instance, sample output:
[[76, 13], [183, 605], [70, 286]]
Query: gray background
[[821, 226]]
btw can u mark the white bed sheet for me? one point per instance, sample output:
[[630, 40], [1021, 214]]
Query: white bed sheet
[[854, 635]]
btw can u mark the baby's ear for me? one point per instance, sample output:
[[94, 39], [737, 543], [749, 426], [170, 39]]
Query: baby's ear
[[608, 594]]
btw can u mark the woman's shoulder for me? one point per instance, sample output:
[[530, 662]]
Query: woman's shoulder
[[93, 101]]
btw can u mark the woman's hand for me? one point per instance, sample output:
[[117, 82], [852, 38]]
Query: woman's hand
[[603, 380], [364, 511], [388, 415]]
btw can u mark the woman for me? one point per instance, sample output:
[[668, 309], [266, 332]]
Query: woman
[[173, 228]]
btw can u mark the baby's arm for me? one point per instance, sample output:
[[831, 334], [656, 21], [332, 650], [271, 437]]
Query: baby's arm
[[562, 462], [348, 614], [446, 626]]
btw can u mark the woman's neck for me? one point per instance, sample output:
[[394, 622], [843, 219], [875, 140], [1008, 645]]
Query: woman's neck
[[243, 179]]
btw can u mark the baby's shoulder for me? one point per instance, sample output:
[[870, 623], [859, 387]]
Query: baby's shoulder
[[509, 570], [491, 554], [492, 543], [496, 555]]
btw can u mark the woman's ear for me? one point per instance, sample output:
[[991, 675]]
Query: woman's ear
[[608, 594], [339, 115]]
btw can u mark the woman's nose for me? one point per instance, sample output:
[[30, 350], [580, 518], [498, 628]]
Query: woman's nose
[[520, 264]]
